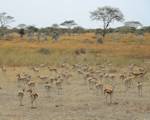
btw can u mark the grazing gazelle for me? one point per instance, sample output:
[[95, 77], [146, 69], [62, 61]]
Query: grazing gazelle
[[43, 77], [31, 84], [3, 68], [52, 69], [33, 97], [35, 69]]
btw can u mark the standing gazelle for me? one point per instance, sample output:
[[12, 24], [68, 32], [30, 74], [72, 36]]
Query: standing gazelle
[[48, 87], [99, 87], [20, 96], [139, 87], [108, 90], [59, 86]]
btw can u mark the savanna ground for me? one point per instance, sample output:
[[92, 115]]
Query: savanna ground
[[77, 102]]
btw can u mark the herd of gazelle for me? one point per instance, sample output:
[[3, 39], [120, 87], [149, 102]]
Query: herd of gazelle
[[94, 78], [25, 84]]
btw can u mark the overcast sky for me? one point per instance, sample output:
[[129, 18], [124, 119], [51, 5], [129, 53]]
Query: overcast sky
[[46, 12]]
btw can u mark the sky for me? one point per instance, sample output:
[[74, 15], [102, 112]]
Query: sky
[[42, 13]]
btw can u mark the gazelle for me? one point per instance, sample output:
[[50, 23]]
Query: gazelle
[[108, 90], [43, 77], [3, 68], [22, 80], [99, 87], [92, 82], [139, 87], [128, 83], [52, 69], [35, 69], [20, 96], [122, 77], [59, 85], [48, 87], [33, 97], [31, 84]]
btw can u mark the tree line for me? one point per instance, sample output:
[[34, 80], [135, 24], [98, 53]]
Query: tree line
[[105, 15]]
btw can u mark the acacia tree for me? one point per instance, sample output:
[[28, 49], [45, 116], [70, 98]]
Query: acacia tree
[[69, 24], [134, 24], [5, 20], [107, 15]]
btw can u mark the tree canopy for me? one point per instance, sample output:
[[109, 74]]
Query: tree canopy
[[107, 15]]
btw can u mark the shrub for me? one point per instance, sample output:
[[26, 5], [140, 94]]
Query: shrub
[[100, 41], [80, 51], [44, 51]]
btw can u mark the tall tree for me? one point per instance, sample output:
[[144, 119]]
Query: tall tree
[[5, 20], [107, 15]]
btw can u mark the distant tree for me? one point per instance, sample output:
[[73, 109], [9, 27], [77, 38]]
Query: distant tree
[[107, 15], [125, 29], [146, 29], [55, 36], [31, 30], [5, 20], [55, 26], [21, 30], [134, 24], [78, 29], [22, 26], [69, 24]]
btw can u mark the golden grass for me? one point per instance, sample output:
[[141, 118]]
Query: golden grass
[[23, 52]]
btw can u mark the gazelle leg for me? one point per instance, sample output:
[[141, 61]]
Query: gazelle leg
[[90, 86], [21, 99], [141, 92], [106, 97], [110, 98], [32, 106], [97, 91]]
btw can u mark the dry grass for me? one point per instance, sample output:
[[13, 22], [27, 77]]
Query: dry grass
[[24, 52], [76, 103]]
